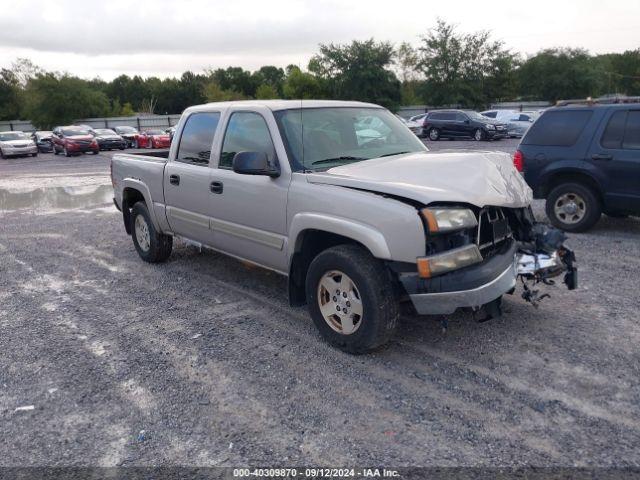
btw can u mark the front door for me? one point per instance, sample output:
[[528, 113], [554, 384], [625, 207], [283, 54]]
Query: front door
[[187, 178], [248, 212], [615, 152]]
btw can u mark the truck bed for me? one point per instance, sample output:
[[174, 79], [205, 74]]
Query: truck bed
[[141, 169]]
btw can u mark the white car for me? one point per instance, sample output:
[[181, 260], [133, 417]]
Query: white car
[[16, 144], [517, 122]]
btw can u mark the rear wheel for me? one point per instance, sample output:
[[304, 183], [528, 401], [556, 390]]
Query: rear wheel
[[573, 207], [152, 246], [434, 134], [352, 299]]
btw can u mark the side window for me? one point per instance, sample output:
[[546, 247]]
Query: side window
[[461, 117], [246, 132], [558, 128], [632, 132], [614, 132], [197, 137], [491, 114], [434, 116]]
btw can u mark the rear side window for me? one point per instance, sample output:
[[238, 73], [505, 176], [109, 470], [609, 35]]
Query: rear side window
[[614, 132], [632, 131], [197, 137], [246, 132], [558, 128], [435, 116]]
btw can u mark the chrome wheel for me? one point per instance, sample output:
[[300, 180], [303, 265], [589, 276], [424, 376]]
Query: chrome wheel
[[142, 233], [434, 134], [478, 135], [340, 302], [570, 208]]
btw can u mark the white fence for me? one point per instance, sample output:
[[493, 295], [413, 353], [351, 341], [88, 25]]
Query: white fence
[[140, 122], [20, 125]]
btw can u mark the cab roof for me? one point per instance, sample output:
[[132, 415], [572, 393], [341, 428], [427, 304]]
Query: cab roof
[[276, 105]]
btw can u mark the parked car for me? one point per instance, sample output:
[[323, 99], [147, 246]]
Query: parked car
[[130, 135], [43, 141], [14, 144], [584, 160], [354, 226], [154, 139], [413, 125], [517, 122], [108, 139], [73, 140], [461, 124], [171, 131]]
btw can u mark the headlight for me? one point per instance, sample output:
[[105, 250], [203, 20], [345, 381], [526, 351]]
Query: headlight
[[491, 127], [445, 262], [442, 219]]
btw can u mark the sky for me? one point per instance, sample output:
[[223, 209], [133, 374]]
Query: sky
[[164, 38]]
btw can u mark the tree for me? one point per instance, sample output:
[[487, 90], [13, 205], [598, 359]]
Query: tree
[[464, 69], [213, 93], [266, 92], [561, 73], [301, 85], [235, 79], [11, 98], [358, 71], [622, 72], [54, 99], [271, 76]]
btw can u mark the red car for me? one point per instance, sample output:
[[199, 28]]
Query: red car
[[72, 140], [154, 139]]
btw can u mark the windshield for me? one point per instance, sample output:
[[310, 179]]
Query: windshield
[[321, 138], [8, 136], [126, 130], [70, 132], [104, 131]]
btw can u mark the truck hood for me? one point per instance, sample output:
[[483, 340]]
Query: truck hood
[[476, 178]]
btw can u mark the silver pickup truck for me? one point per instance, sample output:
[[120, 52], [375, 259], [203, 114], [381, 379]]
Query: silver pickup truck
[[346, 202]]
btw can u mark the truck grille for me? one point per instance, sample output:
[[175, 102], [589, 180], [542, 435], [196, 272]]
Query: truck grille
[[492, 231]]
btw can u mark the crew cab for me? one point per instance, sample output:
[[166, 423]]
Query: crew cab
[[73, 140], [356, 221], [584, 159]]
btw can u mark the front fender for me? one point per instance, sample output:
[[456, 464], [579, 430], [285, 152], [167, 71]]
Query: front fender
[[368, 236]]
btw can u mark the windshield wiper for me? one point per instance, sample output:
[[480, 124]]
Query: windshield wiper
[[391, 154], [338, 159]]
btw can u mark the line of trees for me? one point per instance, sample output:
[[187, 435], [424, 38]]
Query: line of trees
[[446, 67]]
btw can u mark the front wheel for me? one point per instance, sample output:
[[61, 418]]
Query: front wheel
[[573, 207], [478, 135], [352, 298], [152, 246], [66, 152]]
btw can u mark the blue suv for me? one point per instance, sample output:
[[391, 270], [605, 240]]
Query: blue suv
[[585, 161]]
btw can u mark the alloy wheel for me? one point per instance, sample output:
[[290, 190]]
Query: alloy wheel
[[340, 302]]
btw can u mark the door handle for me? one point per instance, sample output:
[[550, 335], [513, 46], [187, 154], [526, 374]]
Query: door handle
[[174, 179], [602, 156], [216, 187]]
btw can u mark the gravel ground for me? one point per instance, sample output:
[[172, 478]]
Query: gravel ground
[[106, 360]]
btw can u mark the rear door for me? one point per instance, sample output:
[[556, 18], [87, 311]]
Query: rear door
[[616, 152], [249, 212], [187, 178]]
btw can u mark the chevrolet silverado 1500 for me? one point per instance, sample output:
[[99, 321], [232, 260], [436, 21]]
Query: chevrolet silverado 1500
[[346, 202]]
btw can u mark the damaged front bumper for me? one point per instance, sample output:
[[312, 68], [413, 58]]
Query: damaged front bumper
[[539, 261]]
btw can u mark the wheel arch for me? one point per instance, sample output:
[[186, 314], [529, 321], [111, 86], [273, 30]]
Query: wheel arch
[[309, 240], [557, 177], [136, 191]]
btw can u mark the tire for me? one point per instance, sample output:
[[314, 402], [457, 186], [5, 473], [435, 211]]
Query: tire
[[96, 152], [434, 134], [373, 284], [567, 197], [479, 135], [156, 247], [34, 154], [2, 155]]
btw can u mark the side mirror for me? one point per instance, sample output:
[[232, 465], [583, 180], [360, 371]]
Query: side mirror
[[254, 163]]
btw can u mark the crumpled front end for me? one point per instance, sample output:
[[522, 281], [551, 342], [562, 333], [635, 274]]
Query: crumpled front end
[[474, 258]]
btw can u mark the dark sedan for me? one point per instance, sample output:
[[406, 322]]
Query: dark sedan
[[43, 141], [462, 124], [108, 139]]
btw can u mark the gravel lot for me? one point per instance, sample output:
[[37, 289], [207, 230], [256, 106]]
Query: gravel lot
[[200, 361]]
